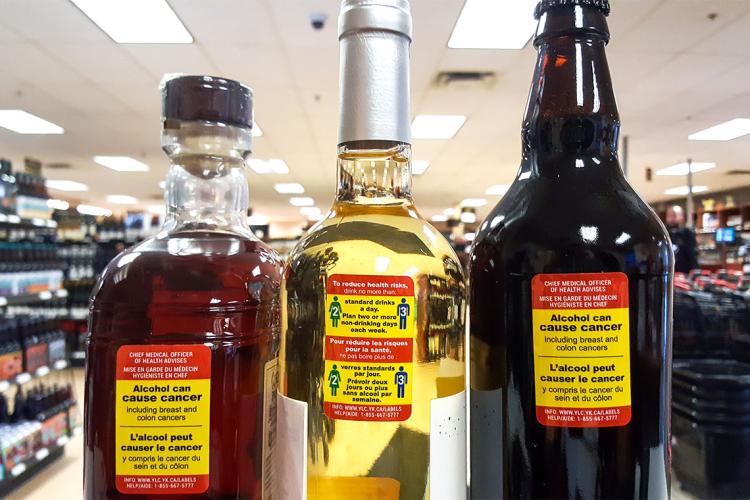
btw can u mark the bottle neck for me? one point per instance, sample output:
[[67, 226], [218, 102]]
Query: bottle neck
[[571, 120], [376, 173], [374, 157], [206, 185], [374, 87]]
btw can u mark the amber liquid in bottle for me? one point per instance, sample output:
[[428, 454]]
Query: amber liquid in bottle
[[569, 211], [205, 280]]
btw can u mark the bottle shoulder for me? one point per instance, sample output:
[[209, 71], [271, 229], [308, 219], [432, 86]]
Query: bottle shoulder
[[547, 221], [213, 268], [374, 243]]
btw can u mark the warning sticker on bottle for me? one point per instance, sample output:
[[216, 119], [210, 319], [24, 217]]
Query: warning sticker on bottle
[[162, 417], [370, 322], [581, 349]]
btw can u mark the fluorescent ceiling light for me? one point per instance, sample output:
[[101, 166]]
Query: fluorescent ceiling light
[[418, 167], [121, 163], [136, 21], [309, 211], [257, 220], [289, 188], [439, 218], [92, 210], [21, 122], [683, 190], [682, 168], [121, 199], [723, 131], [450, 212], [273, 166], [436, 126], [497, 190], [302, 201], [494, 24], [257, 131], [474, 202], [468, 217], [61, 185], [58, 204]]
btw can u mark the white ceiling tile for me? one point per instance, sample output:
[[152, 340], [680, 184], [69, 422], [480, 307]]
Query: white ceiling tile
[[162, 59], [101, 63], [257, 66], [292, 17], [50, 21], [35, 65], [227, 21]]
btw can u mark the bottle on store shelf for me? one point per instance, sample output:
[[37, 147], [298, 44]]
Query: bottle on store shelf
[[11, 351], [185, 325], [19, 407], [8, 188], [4, 416], [571, 295], [372, 400], [36, 347]]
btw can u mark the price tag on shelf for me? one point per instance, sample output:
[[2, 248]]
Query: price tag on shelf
[[22, 378], [14, 219], [45, 295], [42, 454], [61, 293], [60, 364], [42, 371], [3, 301], [4, 385], [62, 440]]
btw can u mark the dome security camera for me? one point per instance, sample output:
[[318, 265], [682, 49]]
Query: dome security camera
[[318, 21]]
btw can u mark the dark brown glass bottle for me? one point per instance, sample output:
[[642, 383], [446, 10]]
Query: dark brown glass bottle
[[185, 325], [571, 284]]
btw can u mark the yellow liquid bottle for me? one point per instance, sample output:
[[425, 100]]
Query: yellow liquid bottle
[[371, 390]]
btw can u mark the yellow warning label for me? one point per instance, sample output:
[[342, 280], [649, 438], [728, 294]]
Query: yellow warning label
[[586, 365], [364, 383], [370, 317], [369, 346], [581, 355], [162, 426], [162, 418]]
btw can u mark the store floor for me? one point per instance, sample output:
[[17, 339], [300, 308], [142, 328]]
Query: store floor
[[62, 480]]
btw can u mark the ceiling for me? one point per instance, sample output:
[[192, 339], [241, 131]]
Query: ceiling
[[676, 71]]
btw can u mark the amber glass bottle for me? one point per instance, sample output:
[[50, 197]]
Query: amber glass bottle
[[184, 326], [571, 280]]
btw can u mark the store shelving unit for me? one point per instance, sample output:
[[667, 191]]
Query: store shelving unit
[[38, 432], [26, 470], [715, 256], [33, 298]]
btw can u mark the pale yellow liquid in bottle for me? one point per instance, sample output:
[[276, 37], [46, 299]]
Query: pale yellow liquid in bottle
[[379, 236]]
